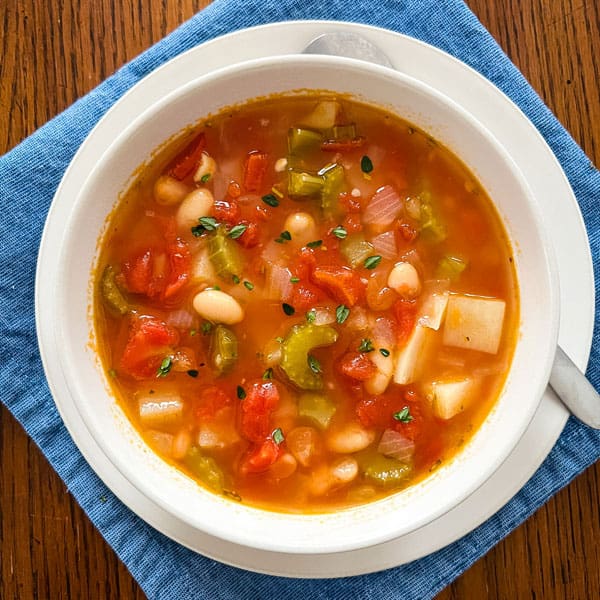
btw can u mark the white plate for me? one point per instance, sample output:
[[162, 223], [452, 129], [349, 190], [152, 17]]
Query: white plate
[[548, 183]]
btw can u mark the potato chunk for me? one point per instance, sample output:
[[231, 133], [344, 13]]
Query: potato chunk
[[474, 322]]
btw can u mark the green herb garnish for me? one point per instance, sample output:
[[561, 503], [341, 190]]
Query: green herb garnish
[[366, 345], [294, 279], [268, 374], [284, 236], [193, 372], [235, 279], [341, 313], [314, 244], [241, 392], [277, 436], [366, 164], [165, 367], [340, 232], [248, 285], [206, 327], [288, 309], [372, 261], [271, 200], [236, 231], [403, 415], [205, 178], [311, 315], [384, 352], [314, 364]]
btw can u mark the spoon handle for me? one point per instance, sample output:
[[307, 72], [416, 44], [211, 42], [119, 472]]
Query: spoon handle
[[575, 391]]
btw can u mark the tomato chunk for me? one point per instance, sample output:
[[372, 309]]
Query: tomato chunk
[[251, 236], [262, 397], [405, 312], [255, 168], [226, 211], [211, 400], [150, 340], [261, 457], [187, 160], [356, 365], [341, 283]]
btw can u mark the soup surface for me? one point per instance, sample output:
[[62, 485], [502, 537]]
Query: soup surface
[[306, 303]]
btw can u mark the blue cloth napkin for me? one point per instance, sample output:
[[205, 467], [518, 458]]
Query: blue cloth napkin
[[29, 176]]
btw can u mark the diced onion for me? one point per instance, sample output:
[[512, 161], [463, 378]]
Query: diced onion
[[324, 315], [385, 245], [384, 207], [180, 319], [278, 285], [395, 445]]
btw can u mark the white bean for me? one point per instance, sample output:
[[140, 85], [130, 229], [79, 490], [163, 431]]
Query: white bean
[[195, 205], [206, 168], [168, 190], [218, 307], [351, 438], [181, 444], [404, 280], [302, 227], [345, 469]]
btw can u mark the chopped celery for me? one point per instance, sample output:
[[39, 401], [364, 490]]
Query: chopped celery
[[431, 225], [356, 249], [295, 350], [303, 140], [333, 184], [450, 267], [111, 294], [224, 254], [205, 469], [316, 407], [223, 349], [304, 185], [382, 470], [343, 132]]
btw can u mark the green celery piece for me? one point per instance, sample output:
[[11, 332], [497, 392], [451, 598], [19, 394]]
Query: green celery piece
[[224, 254], [316, 407], [223, 349], [295, 349], [450, 267], [205, 468], [382, 470], [333, 183], [111, 294], [355, 249], [303, 140], [430, 223], [304, 185]]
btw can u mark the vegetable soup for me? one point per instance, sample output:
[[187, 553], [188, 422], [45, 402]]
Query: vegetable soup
[[306, 303]]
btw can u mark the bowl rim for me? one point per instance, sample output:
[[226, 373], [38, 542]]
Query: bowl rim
[[552, 276]]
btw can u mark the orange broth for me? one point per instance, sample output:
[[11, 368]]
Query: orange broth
[[373, 191]]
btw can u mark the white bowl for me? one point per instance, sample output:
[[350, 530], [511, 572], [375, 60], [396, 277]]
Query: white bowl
[[355, 527]]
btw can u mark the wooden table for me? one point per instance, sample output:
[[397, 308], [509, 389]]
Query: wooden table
[[52, 53]]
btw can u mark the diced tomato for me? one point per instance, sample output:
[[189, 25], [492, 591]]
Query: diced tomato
[[352, 224], [211, 400], [405, 312], [261, 457], [407, 232], [343, 145], [262, 397], [180, 262], [187, 160], [341, 283], [150, 340], [356, 365], [262, 213], [234, 190], [226, 211], [305, 264], [158, 273], [251, 237], [379, 411], [304, 296], [255, 168], [350, 203]]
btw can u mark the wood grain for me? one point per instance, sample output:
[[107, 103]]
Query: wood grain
[[53, 53]]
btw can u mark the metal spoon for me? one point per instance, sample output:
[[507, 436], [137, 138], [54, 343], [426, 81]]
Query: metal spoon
[[569, 383]]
